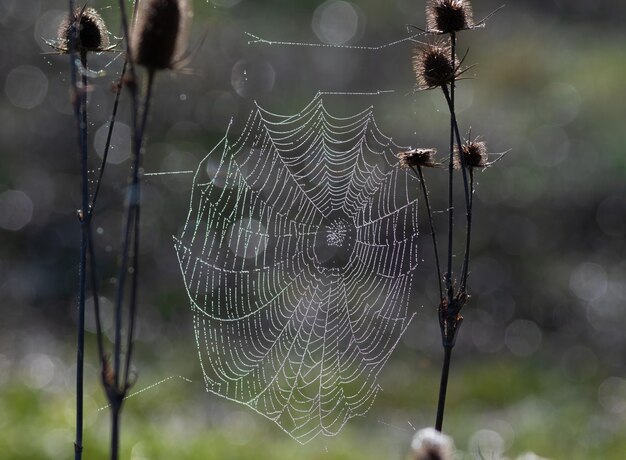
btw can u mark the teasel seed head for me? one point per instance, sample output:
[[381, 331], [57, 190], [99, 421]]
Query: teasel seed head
[[433, 66], [448, 16], [430, 444], [92, 32], [474, 155], [424, 158], [159, 35]]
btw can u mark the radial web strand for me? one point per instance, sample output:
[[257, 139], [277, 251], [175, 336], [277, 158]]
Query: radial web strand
[[298, 256]]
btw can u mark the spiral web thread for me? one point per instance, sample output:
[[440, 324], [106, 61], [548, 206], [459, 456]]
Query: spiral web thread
[[298, 255]]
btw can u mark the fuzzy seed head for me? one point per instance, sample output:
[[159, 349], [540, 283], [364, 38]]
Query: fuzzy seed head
[[474, 155], [430, 444], [159, 33], [447, 16], [92, 32], [433, 66], [417, 158]]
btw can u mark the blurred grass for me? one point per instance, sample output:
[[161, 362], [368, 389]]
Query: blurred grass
[[531, 407]]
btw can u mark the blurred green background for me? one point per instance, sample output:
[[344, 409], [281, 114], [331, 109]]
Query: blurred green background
[[540, 364]]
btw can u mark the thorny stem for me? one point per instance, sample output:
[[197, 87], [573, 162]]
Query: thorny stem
[[418, 171]]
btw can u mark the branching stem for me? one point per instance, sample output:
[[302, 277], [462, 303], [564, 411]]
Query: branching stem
[[418, 171]]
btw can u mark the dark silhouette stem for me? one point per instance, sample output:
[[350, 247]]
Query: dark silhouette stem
[[459, 143], [468, 192], [80, 110], [107, 145], [443, 387], [451, 176], [418, 171], [116, 389], [137, 205], [116, 409], [468, 240]]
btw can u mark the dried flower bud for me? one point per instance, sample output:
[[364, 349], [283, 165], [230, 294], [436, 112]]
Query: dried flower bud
[[430, 444], [433, 66], [159, 35], [447, 16], [474, 155], [92, 32], [417, 158]]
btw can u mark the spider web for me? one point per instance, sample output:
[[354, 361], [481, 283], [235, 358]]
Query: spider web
[[298, 255]]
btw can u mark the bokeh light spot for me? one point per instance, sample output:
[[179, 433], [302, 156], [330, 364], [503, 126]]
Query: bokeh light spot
[[559, 103], [252, 78], [16, 210], [588, 281], [611, 216], [523, 337], [119, 150], [612, 395], [26, 86], [335, 22]]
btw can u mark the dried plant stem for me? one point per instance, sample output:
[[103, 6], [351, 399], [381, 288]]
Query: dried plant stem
[[112, 120], [468, 189], [443, 387], [418, 171], [107, 145], [79, 96], [468, 239], [130, 258], [449, 318]]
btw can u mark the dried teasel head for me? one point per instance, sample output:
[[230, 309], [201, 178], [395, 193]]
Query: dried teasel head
[[92, 32], [448, 16], [414, 158], [434, 66], [430, 444], [474, 155], [159, 36]]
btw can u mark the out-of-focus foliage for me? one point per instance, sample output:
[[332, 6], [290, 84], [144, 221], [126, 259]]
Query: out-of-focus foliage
[[539, 363]]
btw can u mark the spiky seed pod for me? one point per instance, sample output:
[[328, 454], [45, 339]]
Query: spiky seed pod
[[417, 157], [159, 35], [92, 32], [433, 66], [430, 444], [474, 154], [447, 16]]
